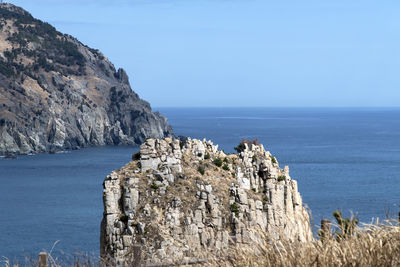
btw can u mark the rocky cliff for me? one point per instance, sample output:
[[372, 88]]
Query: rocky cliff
[[56, 93], [178, 199]]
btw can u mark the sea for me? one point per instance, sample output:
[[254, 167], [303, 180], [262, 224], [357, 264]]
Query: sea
[[345, 159]]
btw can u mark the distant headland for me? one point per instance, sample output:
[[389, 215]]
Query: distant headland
[[57, 93]]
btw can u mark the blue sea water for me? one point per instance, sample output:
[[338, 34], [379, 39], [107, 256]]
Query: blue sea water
[[45, 198], [347, 159]]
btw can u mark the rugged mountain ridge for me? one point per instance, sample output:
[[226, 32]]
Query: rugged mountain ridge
[[56, 93], [180, 200]]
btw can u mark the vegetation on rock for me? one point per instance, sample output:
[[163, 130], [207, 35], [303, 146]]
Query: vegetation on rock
[[201, 170], [244, 141], [218, 162], [281, 178], [235, 208], [225, 167]]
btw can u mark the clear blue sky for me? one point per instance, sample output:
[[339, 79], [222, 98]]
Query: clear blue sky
[[243, 52]]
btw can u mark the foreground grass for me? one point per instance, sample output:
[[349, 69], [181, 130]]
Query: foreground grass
[[369, 245], [77, 260]]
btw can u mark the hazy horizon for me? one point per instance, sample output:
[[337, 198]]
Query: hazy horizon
[[282, 107], [242, 53]]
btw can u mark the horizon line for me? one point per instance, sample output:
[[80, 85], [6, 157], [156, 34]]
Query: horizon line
[[311, 107]]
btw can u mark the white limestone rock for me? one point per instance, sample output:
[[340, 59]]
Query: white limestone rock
[[165, 205]]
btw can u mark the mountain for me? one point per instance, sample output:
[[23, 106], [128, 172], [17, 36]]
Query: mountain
[[57, 93]]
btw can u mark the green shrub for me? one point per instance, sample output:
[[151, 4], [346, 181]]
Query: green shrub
[[254, 189], [6, 69], [265, 199], [207, 156], [225, 160], [281, 178], [182, 141], [273, 159], [218, 162], [244, 141], [235, 208], [225, 167], [201, 170], [154, 186], [240, 147]]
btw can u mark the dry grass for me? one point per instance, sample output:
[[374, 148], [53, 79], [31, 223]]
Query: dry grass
[[77, 260], [371, 245]]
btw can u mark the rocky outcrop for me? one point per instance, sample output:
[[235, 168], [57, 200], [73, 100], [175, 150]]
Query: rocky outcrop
[[178, 199], [56, 93]]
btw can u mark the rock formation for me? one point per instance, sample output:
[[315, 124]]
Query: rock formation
[[178, 198], [56, 93]]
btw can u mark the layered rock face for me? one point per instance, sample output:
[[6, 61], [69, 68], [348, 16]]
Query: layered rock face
[[56, 93], [179, 199]]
